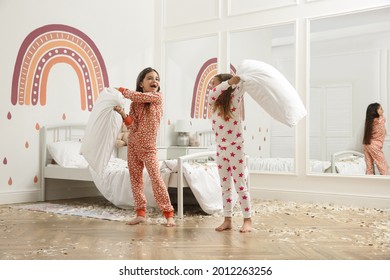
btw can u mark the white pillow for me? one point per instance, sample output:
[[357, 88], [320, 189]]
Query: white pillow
[[102, 129], [67, 154], [272, 91]]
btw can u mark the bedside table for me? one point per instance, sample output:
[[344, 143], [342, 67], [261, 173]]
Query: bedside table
[[173, 152]]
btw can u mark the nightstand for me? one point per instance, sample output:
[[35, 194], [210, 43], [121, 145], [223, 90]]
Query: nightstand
[[173, 152]]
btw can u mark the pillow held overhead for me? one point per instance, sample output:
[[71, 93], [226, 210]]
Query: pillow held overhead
[[272, 91]]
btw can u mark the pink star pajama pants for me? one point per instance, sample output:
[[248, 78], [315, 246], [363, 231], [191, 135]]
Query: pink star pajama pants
[[231, 168]]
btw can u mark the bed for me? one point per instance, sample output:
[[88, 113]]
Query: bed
[[60, 159], [348, 163]]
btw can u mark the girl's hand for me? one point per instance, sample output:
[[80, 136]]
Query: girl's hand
[[120, 111], [234, 80]]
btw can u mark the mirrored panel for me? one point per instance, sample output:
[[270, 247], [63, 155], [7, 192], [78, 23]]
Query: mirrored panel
[[189, 66], [349, 69], [269, 144]]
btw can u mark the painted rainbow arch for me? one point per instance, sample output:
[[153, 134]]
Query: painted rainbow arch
[[51, 44], [199, 106]]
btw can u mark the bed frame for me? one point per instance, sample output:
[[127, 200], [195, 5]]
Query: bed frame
[[343, 155], [55, 133]]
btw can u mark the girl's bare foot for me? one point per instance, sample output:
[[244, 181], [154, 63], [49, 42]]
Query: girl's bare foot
[[247, 225], [137, 220], [170, 222], [226, 225]]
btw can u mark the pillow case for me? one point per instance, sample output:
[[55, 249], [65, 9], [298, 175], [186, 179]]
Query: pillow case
[[67, 154], [103, 126], [272, 91]]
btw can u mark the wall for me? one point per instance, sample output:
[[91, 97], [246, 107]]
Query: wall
[[126, 43], [222, 19]]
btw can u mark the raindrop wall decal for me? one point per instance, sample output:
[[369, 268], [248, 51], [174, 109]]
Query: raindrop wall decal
[[36, 179], [9, 115], [10, 181], [27, 145], [64, 116], [37, 126], [5, 161]]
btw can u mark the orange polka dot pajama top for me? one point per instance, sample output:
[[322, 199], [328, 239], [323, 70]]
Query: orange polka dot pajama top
[[373, 152], [146, 110], [230, 152]]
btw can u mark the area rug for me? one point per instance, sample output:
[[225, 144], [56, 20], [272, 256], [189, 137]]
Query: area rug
[[98, 208], [94, 207]]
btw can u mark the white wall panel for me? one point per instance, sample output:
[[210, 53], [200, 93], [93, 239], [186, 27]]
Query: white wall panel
[[237, 7], [179, 12]]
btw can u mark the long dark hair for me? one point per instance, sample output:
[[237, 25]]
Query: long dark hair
[[224, 100], [140, 78], [371, 114]]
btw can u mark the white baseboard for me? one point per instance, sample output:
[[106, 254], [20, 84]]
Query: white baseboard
[[55, 189], [19, 197]]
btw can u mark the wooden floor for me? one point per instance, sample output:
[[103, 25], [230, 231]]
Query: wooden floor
[[27, 235]]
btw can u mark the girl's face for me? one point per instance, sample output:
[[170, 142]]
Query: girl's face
[[151, 82], [380, 111], [215, 82]]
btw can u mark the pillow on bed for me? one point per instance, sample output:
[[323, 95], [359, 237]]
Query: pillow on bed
[[351, 166], [272, 91], [67, 154]]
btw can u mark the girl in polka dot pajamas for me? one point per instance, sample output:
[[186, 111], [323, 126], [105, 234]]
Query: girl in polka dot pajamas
[[225, 101], [374, 136], [143, 121]]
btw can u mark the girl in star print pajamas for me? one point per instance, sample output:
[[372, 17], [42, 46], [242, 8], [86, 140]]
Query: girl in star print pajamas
[[225, 101], [143, 121]]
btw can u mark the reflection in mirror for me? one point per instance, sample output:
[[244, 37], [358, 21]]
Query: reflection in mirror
[[349, 69], [183, 86], [269, 144]]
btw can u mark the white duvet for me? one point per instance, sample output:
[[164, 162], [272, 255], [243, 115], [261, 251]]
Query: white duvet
[[285, 165], [352, 166]]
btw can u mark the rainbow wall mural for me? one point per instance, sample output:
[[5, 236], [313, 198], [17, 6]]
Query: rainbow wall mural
[[199, 106], [51, 44]]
